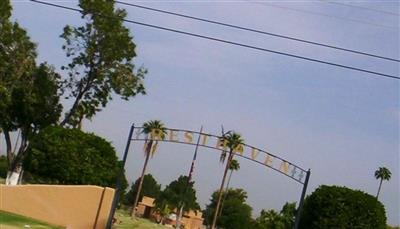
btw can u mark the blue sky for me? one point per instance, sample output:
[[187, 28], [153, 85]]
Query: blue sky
[[341, 124]]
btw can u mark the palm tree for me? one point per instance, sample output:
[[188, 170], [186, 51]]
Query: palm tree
[[233, 141], [234, 166], [382, 173], [154, 131]]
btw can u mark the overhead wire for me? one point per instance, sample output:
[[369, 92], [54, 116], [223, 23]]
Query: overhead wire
[[360, 7], [324, 15], [257, 31], [230, 42]]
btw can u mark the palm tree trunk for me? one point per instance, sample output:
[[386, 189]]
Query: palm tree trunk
[[141, 179], [221, 189], [229, 180], [226, 193], [379, 189]]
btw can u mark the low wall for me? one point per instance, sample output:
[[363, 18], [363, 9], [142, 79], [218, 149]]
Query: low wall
[[72, 206]]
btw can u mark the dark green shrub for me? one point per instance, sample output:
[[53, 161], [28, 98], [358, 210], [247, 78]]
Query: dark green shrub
[[341, 208], [70, 156]]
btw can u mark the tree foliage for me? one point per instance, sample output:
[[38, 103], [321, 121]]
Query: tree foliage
[[70, 156], [236, 213], [150, 188], [341, 207], [101, 53]]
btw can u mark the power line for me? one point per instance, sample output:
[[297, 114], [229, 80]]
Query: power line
[[231, 42], [257, 31], [324, 15], [361, 7]]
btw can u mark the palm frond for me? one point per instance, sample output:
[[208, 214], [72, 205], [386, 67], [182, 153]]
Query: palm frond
[[154, 130], [383, 173]]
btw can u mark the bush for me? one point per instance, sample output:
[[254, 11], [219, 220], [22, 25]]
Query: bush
[[70, 156], [341, 207]]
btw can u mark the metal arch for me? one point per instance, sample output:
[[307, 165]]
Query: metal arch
[[131, 132], [294, 166]]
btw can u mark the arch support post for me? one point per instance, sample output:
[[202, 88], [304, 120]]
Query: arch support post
[[120, 177], [303, 194]]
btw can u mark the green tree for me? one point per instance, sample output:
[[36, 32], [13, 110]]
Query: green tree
[[235, 213], [150, 188], [70, 156], [180, 195], [270, 220], [29, 93], [341, 207], [233, 141], [154, 131], [102, 53], [382, 173]]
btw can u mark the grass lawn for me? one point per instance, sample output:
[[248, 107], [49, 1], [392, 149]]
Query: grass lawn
[[125, 221], [13, 221]]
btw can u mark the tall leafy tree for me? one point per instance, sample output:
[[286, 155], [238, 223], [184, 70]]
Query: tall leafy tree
[[236, 213], [34, 105], [180, 195], [382, 173], [233, 141], [29, 93], [154, 131], [150, 188], [101, 53]]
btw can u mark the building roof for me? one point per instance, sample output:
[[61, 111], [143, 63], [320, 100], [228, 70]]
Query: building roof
[[147, 201]]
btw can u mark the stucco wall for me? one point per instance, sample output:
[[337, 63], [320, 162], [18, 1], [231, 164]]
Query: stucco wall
[[75, 207]]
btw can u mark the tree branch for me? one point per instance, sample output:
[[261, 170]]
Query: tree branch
[[82, 91]]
